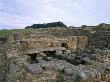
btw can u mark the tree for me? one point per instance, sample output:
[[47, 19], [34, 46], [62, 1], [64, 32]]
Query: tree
[[53, 24], [83, 26]]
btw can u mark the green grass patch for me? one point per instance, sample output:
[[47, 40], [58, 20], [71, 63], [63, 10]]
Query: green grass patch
[[3, 33]]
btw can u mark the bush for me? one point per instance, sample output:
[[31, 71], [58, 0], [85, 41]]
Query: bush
[[53, 24]]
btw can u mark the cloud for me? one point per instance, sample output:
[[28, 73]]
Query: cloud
[[20, 13]]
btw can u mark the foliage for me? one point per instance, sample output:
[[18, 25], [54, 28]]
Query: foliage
[[53, 24], [104, 26], [83, 26]]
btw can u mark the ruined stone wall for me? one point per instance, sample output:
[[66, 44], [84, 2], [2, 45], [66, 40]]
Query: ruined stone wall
[[3, 66], [74, 43], [50, 32], [68, 67], [52, 37], [100, 39]]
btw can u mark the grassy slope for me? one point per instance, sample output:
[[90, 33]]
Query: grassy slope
[[3, 33]]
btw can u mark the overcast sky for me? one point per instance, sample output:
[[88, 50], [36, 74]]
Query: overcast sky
[[20, 13]]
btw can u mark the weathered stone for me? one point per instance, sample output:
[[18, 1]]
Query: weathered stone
[[56, 55]]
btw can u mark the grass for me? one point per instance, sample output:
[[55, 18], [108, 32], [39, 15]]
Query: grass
[[3, 33]]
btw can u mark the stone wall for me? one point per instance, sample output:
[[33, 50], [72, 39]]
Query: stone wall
[[88, 66], [100, 39], [50, 32], [3, 64], [76, 39], [74, 43]]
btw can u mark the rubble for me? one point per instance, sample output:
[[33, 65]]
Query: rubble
[[56, 55]]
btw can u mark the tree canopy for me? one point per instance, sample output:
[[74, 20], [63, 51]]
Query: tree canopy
[[47, 25]]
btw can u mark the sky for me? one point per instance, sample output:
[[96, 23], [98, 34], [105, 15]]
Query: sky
[[16, 14]]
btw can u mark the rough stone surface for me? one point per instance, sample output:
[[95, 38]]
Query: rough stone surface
[[56, 55]]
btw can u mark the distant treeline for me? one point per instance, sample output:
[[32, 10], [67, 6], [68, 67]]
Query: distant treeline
[[47, 25]]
